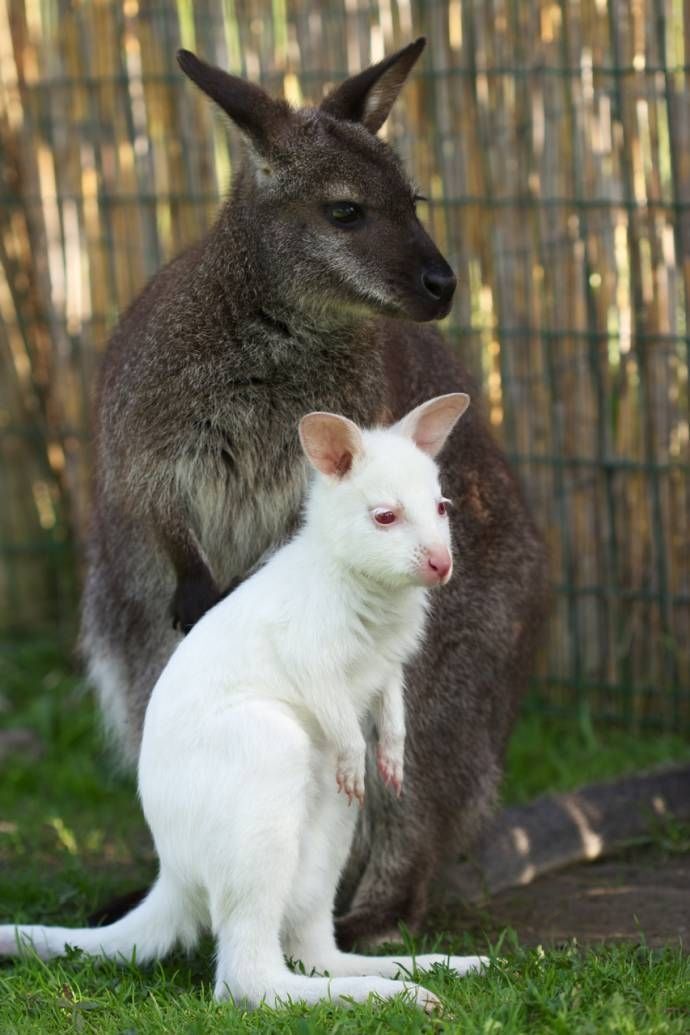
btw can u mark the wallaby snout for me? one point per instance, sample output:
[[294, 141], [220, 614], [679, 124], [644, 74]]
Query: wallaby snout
[[439, 283], [437, 566], [426, 292], [433, 290]]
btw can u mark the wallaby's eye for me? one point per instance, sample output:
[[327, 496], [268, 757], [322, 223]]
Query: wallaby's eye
[[345, 214], [384, 517], [442, 506]]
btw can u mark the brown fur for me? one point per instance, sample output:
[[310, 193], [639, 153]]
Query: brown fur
[[275, 313]]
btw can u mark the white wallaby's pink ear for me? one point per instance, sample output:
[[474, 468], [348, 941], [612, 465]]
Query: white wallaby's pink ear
[[331, 443], [430, 424]]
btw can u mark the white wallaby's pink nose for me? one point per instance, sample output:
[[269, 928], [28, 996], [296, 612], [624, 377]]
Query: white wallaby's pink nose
[[437, 566]]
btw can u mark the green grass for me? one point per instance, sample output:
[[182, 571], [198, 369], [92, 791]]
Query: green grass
[[559, 755], [620, 990], [71, 834]]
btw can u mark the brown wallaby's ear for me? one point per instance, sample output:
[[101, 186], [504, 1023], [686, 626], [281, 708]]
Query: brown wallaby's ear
[[259, 116], [368, 97], [430, 424], [331, 443]]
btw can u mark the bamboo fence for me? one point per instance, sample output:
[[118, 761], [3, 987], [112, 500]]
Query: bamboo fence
[[553, 142]]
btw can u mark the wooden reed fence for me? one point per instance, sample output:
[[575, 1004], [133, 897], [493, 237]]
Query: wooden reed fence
[[553, 141]]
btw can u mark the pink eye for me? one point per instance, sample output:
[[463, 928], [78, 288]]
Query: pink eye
[[384, 517], [442, 507]]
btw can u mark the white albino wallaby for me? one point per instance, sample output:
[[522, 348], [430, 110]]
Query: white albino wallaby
[[255, 725]]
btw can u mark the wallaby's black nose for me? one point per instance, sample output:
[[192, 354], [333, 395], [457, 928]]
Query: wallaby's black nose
[[439, 285]]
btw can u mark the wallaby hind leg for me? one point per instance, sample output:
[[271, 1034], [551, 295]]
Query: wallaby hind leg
[[256, 852], [310, 935], [251, 899], [308, 931], [251, 967]]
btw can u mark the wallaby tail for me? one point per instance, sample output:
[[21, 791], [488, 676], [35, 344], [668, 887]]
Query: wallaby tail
[[150, 931]]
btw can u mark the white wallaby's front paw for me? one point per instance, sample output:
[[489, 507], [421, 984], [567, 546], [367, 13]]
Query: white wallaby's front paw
[[349, 774], [389, 759]]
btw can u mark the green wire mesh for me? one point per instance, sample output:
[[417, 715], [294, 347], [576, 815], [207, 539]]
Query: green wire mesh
[[553, 142]]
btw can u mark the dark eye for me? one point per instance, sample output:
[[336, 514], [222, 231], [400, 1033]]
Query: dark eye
[[442, 507], [384, 517], [344, 214]]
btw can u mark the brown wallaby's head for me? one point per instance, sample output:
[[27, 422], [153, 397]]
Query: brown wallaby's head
[[333, 212]]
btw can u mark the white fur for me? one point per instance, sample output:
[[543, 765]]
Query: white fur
[[256, 724], [105, 673]]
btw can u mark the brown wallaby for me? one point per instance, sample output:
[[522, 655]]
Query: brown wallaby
[[307, 294]]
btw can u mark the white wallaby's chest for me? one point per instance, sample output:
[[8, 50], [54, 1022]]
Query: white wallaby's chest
[[379, 653]]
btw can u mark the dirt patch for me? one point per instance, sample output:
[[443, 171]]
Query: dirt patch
[[639, 897]]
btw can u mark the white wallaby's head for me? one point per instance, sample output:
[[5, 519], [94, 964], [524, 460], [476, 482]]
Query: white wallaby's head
[[377, 498]]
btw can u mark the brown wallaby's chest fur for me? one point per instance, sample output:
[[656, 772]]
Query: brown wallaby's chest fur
[[311, 292], [200, 403]]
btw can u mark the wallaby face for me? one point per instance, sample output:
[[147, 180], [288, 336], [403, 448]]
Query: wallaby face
[[337, 213], [392, 531]]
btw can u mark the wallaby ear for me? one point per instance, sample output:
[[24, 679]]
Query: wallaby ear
[[331, 443], [430, 424], [259, 116], [368, 97]]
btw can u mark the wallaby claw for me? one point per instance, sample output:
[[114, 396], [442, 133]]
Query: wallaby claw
[[350, 779], [390, 767]]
